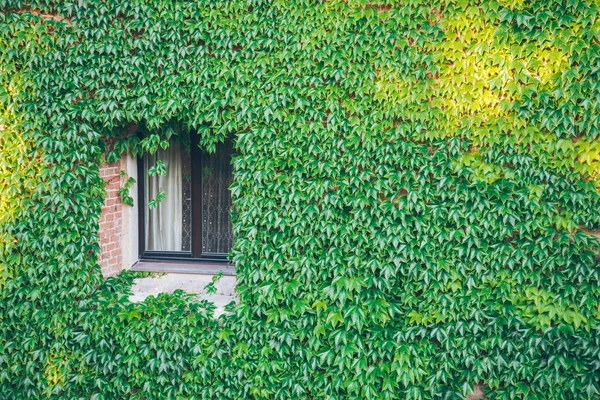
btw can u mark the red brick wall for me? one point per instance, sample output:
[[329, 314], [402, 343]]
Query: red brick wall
[[111, 221]]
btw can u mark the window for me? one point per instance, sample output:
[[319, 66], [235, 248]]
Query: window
[[193, 221]]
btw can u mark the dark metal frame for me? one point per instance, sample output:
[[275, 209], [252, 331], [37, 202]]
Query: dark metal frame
[[196, 254]]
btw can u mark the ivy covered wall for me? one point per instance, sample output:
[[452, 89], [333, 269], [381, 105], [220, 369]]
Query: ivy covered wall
[[416, 195]]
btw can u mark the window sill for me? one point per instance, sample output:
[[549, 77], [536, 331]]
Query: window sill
[[182, 267]]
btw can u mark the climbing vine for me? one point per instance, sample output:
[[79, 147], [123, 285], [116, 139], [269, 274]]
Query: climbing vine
[[416, 195]]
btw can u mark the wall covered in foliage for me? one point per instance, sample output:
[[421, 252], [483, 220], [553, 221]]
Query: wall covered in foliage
[[416, 192]]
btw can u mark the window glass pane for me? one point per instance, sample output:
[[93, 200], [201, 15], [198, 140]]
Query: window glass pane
[[168, 225], [186, 243], [217, 176]]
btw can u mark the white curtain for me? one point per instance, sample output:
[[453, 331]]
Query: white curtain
[[164, 223]]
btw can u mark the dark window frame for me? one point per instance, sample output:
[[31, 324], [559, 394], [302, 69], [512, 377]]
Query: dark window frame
[[196, 254]]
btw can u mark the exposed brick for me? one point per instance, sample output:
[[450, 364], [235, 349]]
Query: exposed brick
[[111, 221]]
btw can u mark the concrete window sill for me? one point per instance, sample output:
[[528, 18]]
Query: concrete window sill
[[182, 267], [188, 282]]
